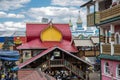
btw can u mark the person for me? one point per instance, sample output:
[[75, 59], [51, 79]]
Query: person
[[3, 77]]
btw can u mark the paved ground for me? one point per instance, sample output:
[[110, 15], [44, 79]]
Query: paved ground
[[94, 76]]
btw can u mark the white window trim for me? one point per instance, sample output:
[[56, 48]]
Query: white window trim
[[105, 68], [118, 76]]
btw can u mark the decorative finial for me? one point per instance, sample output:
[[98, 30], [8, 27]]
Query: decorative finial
[[50, 22]]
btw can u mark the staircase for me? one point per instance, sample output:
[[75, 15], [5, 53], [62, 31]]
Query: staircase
[[63, 63], [74, 69]]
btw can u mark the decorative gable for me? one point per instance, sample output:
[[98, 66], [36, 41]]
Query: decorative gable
[[51, 34]]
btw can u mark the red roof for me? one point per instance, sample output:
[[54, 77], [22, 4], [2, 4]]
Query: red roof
[[33, 75], [34, 42], [33, 30], [46, 52], [37, 44]]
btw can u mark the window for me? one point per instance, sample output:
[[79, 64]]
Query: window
[[27, 53], [118, 71], [106, 68], [117, 38], [57, 54]]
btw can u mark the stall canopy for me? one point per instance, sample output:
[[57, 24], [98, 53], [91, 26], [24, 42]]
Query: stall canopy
[[9, 55]]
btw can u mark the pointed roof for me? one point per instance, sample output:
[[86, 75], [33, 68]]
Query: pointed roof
[[79, 21], [46, 52]]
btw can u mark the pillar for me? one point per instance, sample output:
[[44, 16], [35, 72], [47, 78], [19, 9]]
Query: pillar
[[97, 6], [101, 39], [88, 9], [112, 38]]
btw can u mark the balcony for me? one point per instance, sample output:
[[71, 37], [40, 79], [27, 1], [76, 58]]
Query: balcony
[[110, 13], [117, 49], [90, 19], [106, 49]]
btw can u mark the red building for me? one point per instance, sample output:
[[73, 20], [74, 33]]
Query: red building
[[49, 48]]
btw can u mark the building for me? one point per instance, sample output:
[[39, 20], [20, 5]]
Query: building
[[80, 30], [44, 20], [88, 48], [106, 17], [49, 49], [15, 37]]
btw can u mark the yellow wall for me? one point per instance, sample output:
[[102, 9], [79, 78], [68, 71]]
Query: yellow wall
[[51, 34]]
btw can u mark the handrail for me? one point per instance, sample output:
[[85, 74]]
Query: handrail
[[74, 69]]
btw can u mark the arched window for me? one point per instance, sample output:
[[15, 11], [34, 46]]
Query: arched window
[[106, 68], [118, 71], [117, 38]]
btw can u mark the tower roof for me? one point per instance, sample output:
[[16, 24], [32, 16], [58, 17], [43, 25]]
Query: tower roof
[[79, 19]]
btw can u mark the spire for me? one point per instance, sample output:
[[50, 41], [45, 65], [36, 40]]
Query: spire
[[70, 22], [79, 21], [50, 23]]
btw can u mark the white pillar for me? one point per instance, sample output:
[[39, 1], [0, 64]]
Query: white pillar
[[97, 6], [112, 42], [88, 9], [106, 35], [101, 43]]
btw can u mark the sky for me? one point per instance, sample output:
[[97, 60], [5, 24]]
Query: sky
[[14, 14]]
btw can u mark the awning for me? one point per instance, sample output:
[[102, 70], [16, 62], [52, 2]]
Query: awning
[[87, 3], [83, 42], [9, 59], [9, 53]]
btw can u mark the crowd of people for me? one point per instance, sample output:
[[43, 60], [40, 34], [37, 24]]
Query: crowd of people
[[5, 71], [61, 74]]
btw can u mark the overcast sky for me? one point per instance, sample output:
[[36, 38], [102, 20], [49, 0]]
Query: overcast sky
[[15, 13]]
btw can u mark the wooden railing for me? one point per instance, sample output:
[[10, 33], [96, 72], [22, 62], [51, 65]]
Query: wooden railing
[[44, 65], [90, 19], [106, 48], [91, 53], [63, 63], [110, 13], [56, 63], [74, 69], [117, 49]]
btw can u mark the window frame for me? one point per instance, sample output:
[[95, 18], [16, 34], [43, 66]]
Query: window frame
[[118, 71], [106, 68]]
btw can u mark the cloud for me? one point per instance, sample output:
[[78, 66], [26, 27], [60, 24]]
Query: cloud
[[12, 4], [12, 26], [58, 14], [11, 15], [68, 2]]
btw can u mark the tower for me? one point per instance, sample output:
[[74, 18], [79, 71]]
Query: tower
[[70, 24], [79, 23]]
